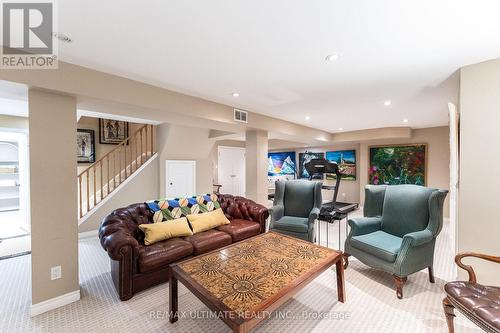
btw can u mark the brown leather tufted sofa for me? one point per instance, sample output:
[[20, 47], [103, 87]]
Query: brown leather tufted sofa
[[135, 266]]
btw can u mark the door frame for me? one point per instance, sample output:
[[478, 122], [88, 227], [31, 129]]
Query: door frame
[[22, 136], [219, 148], [192, 162]]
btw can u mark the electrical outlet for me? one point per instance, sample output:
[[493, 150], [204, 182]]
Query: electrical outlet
[[55, 273]]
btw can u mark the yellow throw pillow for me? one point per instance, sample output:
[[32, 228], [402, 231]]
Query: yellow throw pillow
[[159, 231], [206, 221]]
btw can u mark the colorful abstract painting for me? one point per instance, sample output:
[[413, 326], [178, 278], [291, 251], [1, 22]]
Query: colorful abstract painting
[[281, 164], [303, 159], [394, 165], [346, 160]]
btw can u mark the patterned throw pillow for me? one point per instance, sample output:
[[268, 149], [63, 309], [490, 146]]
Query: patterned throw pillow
[[171, 209]]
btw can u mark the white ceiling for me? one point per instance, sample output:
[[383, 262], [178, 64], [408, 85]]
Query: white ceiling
[[273, 53]]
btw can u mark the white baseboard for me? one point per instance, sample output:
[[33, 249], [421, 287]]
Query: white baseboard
[[54, 303], [88, 234]]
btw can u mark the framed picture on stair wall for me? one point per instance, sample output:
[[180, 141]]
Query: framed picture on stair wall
[[112, 131], [85, 144]]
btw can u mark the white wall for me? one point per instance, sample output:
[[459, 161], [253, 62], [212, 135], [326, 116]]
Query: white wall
[[478, 213], [175, 142]]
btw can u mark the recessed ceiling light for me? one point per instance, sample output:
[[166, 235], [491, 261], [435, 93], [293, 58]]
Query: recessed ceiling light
[[387, 103], [235, 94], [405, 120], [62, 37], [332, 57], [341, 129], [308, 118]]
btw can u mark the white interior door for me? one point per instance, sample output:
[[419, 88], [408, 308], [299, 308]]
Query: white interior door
[[181, 178], [231, 170]]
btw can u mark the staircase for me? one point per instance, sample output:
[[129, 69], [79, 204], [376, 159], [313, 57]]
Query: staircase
[[106, 175]]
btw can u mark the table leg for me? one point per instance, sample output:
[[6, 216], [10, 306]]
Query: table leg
[[173, 299], [240, 329], [327, 224], [339, 234], [340, 280], [319, 232]]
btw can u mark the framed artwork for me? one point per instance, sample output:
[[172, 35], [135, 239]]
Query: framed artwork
[[112, 131], [85, 150], [398, 164], [346, 160], [303, 159], [281, 164]]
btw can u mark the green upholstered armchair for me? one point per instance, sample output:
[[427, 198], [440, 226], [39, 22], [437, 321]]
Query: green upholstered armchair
[[399, 230], [296, 206]]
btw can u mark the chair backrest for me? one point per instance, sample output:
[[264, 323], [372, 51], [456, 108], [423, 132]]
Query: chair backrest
[[300, 196], [374, 200], [406, 209]]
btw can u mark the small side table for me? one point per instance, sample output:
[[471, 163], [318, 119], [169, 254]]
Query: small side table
[[330, 218]]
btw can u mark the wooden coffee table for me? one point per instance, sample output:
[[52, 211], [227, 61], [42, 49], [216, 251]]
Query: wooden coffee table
[[244, 282]]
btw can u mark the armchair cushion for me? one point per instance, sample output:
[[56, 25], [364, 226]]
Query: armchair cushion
[[379, 243], [163, 253], [292, 223]]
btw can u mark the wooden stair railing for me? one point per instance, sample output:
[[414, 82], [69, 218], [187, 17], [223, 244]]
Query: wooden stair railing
[[102, 177]]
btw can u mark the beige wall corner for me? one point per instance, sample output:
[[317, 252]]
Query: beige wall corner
[[478, 226], [256, 166], [54, 221], [176, 142]]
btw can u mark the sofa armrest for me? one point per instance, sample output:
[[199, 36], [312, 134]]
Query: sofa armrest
[[313, 215], [418, 238], [235, 207], [120, 229], [276, 212], [364, 225]]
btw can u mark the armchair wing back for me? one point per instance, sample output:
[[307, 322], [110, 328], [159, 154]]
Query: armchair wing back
[[298, 197], [405, 209], [398, 231], [296, 206]]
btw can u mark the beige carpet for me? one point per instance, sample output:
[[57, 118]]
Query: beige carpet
[[371, 304]]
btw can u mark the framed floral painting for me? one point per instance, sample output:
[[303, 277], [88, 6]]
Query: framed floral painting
[[398, 164]]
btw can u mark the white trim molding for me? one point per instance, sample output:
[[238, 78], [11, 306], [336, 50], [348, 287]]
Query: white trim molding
[[54, 303], [88, 234]]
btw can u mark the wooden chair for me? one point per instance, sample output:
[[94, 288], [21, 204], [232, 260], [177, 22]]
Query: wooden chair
[[479, 303]]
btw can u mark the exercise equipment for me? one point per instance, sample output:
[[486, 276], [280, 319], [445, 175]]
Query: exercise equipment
[[316, 168]]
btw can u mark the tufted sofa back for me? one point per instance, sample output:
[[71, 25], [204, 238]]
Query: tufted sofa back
[[122, 225]]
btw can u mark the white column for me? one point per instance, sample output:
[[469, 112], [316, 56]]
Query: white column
[[256, 166]]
